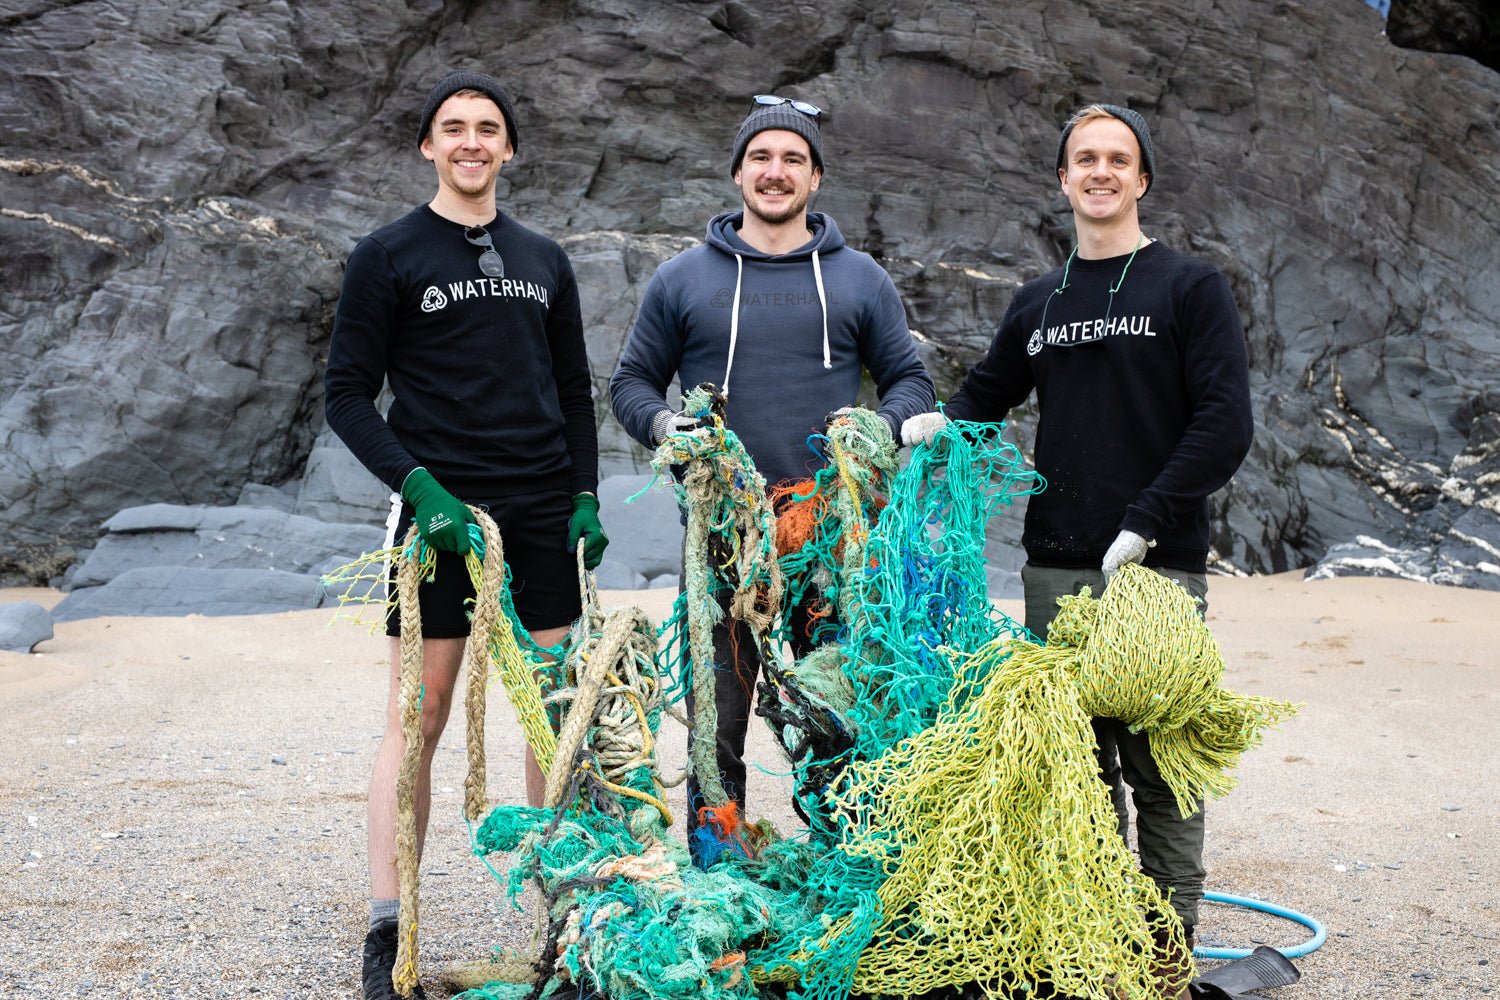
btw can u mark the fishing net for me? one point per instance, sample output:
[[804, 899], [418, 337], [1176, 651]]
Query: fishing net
[[958, 834]]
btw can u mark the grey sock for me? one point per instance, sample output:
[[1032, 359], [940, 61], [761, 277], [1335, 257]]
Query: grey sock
[[384, 909]]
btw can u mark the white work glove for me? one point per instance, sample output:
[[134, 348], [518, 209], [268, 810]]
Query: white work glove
[[666, 423], [922, 428], [1128, 547]]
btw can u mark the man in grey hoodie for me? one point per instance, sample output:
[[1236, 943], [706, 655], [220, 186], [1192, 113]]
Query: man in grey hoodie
[[779, 313]]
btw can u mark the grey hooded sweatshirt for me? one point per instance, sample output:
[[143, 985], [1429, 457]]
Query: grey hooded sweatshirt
[[784, 336]]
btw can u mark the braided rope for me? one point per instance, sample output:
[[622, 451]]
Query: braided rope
[[476, 975], [487, 621], [730, 545], [409, 704], [703, 612]]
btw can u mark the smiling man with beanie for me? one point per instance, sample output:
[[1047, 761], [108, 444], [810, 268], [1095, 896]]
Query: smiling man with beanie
[[475, 322], [779, 313], [1138, 361]]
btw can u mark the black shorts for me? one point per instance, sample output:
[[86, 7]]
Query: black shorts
[[543, 573]]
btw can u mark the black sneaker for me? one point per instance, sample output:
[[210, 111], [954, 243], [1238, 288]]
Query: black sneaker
[[380, 963]]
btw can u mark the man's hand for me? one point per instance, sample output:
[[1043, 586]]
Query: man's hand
[[442, 519], [585, 524], [1128, 547], [668, 423], [922, 428]]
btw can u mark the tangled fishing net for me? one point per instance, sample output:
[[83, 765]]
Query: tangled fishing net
[[957, 829]]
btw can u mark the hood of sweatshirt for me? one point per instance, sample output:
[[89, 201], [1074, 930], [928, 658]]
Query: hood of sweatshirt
[[724, 236]]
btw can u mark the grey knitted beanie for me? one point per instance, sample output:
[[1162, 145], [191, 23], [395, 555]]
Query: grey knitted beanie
[[1136, 124], [777, 116], [461, 80]]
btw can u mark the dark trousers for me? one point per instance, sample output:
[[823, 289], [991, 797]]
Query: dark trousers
[[736, 666], [1171, 848]]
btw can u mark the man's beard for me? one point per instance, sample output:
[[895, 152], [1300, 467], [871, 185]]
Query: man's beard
[[791, 211]]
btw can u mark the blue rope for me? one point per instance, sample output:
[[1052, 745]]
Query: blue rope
[[1312, 944]]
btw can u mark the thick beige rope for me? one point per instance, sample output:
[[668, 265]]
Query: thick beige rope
[[409, 704], [575, 730], [486, 620], [460, 976]]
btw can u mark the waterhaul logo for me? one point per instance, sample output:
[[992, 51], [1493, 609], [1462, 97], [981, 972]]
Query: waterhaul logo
[[494, 288], [1089, 331], [434, 299], [724, 298]]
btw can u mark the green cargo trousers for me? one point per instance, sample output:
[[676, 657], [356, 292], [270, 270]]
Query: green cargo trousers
[[1171, 848]]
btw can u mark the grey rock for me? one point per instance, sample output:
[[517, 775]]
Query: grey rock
[[23, 624], [1464, 27], [1003, 583], [1469, 553], [645, 535], [221, 538], [153, 591], [336, 487], [64, 582], [617, 576], [168, 300], [1366, 556], [368, 587], [270, 497]]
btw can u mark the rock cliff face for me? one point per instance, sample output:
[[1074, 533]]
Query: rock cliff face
[[179, 187]]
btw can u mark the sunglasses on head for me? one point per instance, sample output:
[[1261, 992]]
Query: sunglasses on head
[[490, 261], [771, 100]]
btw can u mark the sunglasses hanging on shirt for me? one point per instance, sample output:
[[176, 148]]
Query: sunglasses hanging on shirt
[[490, 262]]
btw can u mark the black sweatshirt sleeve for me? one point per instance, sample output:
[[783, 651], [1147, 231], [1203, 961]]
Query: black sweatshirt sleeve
[[570, 371], [363, 327], [1220, 425], [1001, 380]]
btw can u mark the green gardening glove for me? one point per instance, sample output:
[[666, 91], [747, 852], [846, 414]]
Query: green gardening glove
[[442, 519], [585, 524]]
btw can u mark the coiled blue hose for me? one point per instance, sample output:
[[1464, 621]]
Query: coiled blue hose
[[1312, 944]]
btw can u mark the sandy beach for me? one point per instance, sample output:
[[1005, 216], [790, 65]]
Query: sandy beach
[[182, 800]]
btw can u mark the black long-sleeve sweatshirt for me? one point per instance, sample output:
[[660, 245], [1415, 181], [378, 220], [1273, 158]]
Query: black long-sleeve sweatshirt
[[490, 376], [1144, 403]]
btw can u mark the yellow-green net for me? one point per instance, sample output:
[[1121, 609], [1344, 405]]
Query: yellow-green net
[[997, 838]]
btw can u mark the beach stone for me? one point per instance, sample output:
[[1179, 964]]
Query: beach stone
[[135, 369], [23, 624], [1469, 554], [152, 591], [645, 535], [221, 538], [617, 576], [336, 487], [1366, 556], [269, 497]]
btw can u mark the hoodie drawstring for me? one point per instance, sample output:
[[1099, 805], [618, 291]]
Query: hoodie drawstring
[[822, 301], [734, 319], [734, 314]]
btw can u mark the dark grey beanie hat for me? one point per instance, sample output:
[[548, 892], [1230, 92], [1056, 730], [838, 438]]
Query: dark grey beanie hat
[[461, 80], [1136, 124], [777, 116]]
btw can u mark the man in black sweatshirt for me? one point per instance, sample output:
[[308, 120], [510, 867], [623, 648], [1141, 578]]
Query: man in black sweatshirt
[[1138, 361], [475, 321]]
